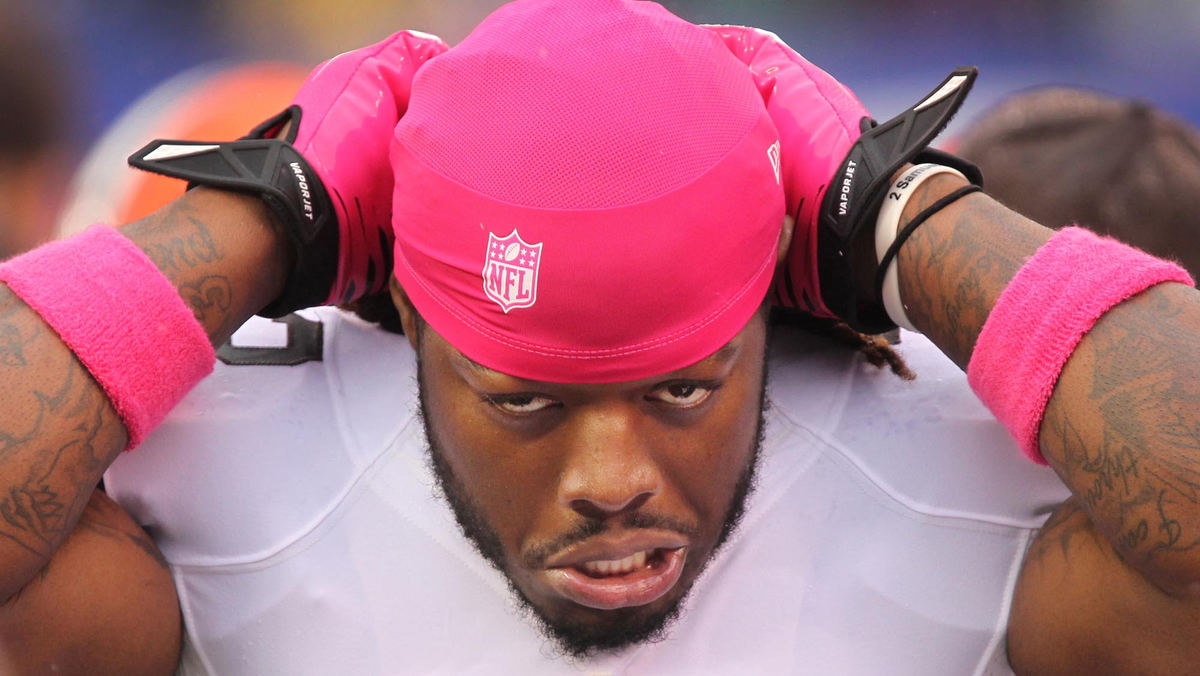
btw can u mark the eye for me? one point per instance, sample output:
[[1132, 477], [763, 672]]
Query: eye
[[520, 404], [684, 394]]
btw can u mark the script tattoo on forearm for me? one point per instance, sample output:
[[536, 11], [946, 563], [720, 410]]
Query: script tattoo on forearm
[[211, 293], [1125, 433], [956, 270], [181, 244], [1131, 448], [47, 479], [175, 239]]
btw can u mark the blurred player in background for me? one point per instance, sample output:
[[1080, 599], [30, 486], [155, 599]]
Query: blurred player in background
[[211, 101], [1118, 166]]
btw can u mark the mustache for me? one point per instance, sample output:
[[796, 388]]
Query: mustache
[[536, 556]]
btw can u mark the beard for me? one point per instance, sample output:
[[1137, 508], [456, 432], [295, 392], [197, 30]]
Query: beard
[[618, 628]]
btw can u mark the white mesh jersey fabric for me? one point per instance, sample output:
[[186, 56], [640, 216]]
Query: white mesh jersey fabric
[[300, 522]]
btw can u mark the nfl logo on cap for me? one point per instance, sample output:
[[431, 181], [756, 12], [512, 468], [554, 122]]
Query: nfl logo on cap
[[510, 271]]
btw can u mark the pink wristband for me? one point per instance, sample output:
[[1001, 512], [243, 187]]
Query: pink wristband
[[1045, 310], [121, 317]]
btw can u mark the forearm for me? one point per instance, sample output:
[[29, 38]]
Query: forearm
[[1122, 427], [221, 252], [957, 263], [58, 431], [1123, 431]]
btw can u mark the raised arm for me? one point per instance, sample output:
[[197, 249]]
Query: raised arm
[[59, 432], [214, 257], [1113, 580]]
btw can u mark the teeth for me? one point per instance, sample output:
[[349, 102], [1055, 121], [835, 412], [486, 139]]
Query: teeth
[[618, 566]]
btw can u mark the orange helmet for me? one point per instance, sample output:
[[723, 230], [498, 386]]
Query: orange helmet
[[207, 103]]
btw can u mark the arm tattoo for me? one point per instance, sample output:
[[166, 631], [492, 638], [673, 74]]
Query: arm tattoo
[[180, 243], [955, 270], [212, 294], [1066, 529], [1130, 448], [43, 489], [176, 239], [1122, 428], [12, 344], [58, 431]]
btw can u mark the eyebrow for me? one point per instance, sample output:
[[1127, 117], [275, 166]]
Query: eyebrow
[[474, 365], [725, 354]]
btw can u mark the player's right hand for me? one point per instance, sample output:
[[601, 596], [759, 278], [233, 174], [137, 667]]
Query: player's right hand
[[328, 180]]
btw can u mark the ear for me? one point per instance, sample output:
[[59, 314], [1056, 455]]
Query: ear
[[785, 243], [408, 313]]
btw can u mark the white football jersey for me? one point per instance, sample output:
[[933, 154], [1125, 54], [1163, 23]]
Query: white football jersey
[[306, 535]]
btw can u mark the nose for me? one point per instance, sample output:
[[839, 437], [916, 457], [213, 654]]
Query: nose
[[610, 468]]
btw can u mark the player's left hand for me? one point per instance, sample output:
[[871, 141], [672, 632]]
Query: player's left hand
[[836, 165]]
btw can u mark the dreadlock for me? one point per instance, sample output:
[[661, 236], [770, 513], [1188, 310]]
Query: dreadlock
[[876, 349], [379, 309]]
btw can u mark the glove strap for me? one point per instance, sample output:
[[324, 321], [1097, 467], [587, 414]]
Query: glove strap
[[846, 258], [275, 171]]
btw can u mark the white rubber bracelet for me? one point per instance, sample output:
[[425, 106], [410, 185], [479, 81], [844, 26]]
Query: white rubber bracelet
[[887, 224]]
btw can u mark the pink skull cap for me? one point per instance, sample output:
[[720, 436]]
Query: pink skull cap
[[587, 191]]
